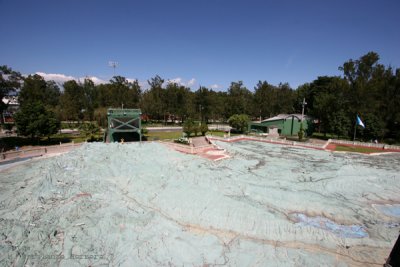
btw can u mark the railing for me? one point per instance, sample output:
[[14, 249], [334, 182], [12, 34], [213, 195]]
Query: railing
[[37, 151]]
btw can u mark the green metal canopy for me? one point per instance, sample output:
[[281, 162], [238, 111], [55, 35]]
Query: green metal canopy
[[123, 125]]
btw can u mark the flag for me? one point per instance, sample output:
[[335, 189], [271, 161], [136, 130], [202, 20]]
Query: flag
[[359, 122]]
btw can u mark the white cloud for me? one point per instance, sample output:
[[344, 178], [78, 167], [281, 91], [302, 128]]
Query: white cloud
[[59, 78], [182, 82], [191, 82], [215, 86], [177, 80], [144, 85], [94, 79], [62, 78]]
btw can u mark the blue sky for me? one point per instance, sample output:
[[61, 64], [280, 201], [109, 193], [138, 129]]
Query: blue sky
[[209, 42]]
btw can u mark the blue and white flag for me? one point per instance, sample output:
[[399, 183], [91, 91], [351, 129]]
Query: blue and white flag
[[359, 122]]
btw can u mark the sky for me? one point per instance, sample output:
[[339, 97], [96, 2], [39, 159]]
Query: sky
[[196, 43]]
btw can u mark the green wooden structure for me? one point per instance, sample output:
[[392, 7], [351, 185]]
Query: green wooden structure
[[123, 125], [282, 124]]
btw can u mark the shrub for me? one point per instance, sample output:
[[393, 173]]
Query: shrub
[[301, 132], [182, 140], [239, 122], [203, 129], [189, 127]]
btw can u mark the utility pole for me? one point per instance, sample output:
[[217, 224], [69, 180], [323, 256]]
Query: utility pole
[[113, 64], [302, 111]]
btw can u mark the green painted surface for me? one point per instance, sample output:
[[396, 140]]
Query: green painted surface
[[123, 124]]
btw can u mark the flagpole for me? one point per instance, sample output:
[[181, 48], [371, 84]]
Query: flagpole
[[355, 130]]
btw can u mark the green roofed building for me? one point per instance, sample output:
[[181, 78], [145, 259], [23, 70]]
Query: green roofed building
[[282, 124], [123, 125]]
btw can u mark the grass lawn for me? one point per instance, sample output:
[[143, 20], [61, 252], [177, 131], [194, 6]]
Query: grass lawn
[[327, 136], [153, 136], [221, 133], [357, 149]]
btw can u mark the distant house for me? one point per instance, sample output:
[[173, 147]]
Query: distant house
[[282, 124], [12, 107]]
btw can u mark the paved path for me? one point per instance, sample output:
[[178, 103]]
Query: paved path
[[200, 141]]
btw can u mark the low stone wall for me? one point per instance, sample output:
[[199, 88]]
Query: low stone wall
[[363, 144], [188, 149], [266, 140]]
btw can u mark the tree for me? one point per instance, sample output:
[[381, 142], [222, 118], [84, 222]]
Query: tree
[[89, 98], [301, 132], [89, 130], [203, 103], [239, 99], [264, 99], [100, 116], [285, 97], [271, 100], [218, 105], [72, 101], [154, 102], [239, 122], [34, 120], [189, 127], [35, 88], [9, 81], [203, 129], [124, 92], [178, 101]]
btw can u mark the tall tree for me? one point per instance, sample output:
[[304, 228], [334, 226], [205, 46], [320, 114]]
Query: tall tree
[[203, 103], [239, 99], [177, 98], [35, 120], [9, 81], [264, 99], [154, 102], [72, 101], [89, 98], [284, 99], [36, 89]]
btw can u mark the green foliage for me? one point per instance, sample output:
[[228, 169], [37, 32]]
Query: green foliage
[[7, 126], [301, 132], [72, 101], [36, 89], [100, 116], [196, 129], [144, 131], [203, 128], [366, 88], [151, 136], [357, 149], [9, 81], [239, 122], [374, 128], [34, 120], [89, 130], [239, 99], [189, 127], [182, 140]]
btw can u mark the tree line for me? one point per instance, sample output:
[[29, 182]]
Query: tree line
[[366, 88]]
